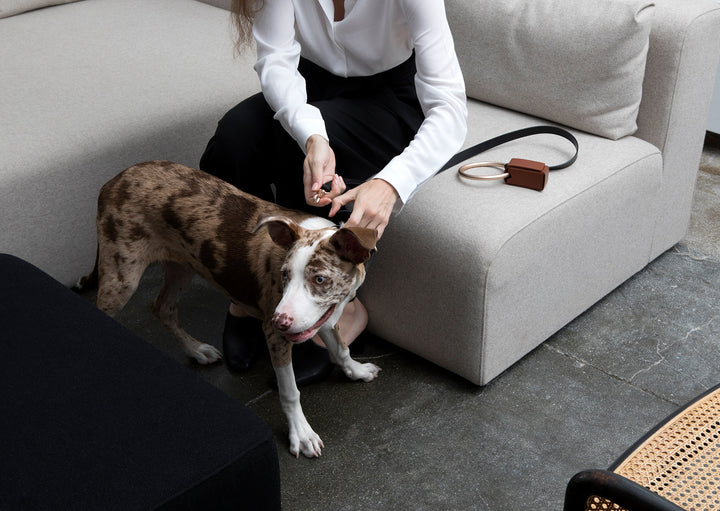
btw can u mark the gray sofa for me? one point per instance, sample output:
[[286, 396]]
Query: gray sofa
[[474, 276], [471, 276], [90, 88]]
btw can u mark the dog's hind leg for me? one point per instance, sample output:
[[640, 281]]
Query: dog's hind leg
[[118, 279], [340, 354], [177, 277]]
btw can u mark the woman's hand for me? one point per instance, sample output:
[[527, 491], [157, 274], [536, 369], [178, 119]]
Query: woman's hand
[[318, 169], [374, 202]]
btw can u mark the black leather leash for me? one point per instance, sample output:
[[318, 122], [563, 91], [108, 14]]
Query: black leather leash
[[517, 172], [515, 135], [524, 173]]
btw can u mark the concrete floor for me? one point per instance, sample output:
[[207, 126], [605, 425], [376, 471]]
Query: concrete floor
[[420, 437]]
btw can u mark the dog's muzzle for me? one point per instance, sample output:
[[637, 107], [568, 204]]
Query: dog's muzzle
[[283, 325]]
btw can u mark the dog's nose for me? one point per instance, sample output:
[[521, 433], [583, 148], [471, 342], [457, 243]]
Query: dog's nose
[[282, 322]]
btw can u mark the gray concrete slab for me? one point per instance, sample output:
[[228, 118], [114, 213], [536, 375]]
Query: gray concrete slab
[[420, 437], [659, 331]]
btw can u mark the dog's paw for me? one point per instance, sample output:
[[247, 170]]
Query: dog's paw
[[206, 354], [365, 372], [304, 439]]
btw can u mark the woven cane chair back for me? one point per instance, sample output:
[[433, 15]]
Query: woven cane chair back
[[680, 461]]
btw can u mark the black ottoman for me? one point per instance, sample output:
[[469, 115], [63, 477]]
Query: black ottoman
[[93, 417]]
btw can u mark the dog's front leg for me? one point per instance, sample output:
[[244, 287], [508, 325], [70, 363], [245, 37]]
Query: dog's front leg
[[302, 437], [340, 354]]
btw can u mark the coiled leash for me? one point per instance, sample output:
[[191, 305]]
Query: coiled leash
[[517, 172]]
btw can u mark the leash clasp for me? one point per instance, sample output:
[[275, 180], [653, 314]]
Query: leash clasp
[[527, 174]]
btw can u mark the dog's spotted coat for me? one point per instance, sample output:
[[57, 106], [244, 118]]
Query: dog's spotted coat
[[294, 271]]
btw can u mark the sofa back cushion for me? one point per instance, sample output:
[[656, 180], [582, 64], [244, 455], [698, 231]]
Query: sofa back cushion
[[12, 7], [576, 62]]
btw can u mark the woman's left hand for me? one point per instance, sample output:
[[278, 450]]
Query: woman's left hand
[[373, 203]]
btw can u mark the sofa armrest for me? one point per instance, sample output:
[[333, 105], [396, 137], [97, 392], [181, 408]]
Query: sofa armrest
[[680, 71], [677, 90]]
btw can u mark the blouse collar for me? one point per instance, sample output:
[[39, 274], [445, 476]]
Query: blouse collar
[[329, 8]]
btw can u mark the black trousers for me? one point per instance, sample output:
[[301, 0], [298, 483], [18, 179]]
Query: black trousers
[[369, 121]]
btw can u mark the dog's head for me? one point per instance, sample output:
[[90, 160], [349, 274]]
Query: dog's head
[[321, 273]]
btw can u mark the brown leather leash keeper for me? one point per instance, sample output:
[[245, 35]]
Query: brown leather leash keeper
[[517, 172]]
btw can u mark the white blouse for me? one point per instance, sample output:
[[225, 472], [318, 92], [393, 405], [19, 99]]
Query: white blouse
[[374, 36]]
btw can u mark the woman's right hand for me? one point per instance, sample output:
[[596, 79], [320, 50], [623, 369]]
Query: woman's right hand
[[318, 169]]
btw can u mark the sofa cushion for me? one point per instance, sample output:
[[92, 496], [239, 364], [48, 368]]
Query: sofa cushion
[[12, 7], [577, 62]]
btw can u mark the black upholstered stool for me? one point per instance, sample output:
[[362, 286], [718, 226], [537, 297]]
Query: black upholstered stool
[[93, 417]]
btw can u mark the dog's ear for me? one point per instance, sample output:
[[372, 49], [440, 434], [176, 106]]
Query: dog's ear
[[283, 231], [354, 244]]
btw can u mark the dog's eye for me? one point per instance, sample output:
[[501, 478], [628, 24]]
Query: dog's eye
[[320, 280], [284, 275]]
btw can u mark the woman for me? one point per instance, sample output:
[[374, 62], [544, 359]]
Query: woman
[[363, 91]]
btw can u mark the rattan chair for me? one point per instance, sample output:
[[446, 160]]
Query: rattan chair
[[674, 467]]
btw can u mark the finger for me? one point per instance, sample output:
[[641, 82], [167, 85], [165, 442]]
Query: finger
[[371, 223], [338, 186], [337, 203], [341, 201], [324, 196], [322, 180], [356, 217], [318, 178], [315, 175], [380, 230]]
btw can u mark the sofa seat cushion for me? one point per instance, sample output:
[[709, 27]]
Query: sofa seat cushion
[[576, 62], [96, 418], [590, 229], [92, 87]]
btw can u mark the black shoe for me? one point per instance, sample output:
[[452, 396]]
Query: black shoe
[[311, 364], [241, 339], [358, 345]]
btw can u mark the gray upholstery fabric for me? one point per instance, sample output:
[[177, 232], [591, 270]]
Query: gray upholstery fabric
[[577, 62], [90, 88], [474, 275], [676, 99], [13, 7]]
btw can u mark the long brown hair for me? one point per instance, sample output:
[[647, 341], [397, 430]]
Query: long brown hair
[[243, 15]]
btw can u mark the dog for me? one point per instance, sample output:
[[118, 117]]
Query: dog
[[294, 271]]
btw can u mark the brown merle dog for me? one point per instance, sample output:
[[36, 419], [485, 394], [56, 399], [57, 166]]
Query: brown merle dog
[[294, 271]]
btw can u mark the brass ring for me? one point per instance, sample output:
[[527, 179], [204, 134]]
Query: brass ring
[[462, 170], [319, 195]]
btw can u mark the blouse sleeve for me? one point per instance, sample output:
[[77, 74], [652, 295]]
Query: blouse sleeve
[[278, 55], [441, 91]]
